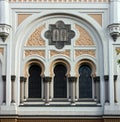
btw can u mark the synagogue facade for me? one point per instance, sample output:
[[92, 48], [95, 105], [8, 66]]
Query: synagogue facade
[[59, 60]]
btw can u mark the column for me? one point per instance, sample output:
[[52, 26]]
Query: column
[[72, 81], [13, 88], [114, 11], [21, 89], [114, 31], [106, 78], [4, 19], [25, 90], [97, 88], [4, 88], [46, 81], [115, 93]]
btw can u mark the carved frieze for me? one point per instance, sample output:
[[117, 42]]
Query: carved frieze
[[84, 38], [34, 52], [82, 52], [54, 52], [35, 39]]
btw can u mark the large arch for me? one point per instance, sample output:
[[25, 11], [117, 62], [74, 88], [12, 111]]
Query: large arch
[[34, 20], [31, 23]]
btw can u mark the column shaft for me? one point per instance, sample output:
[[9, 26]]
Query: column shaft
[[72, 81], [97, 88], [46, 81], [106, 78], [24, 88], [13, 89], [21, 89], [115, 93], [4, 88]]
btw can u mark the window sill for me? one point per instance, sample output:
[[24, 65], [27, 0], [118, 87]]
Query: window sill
[[60, 103]]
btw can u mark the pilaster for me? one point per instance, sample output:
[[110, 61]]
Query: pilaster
[[114, 11], [114, 27], [111, 72]]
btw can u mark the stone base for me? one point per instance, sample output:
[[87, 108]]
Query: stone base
[[17, 119], [8, 120], [52, 120]]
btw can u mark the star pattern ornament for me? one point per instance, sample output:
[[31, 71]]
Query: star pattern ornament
[[59, 34]]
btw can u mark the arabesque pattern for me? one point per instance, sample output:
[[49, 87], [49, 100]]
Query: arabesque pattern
[[84, 37], [35, 39]]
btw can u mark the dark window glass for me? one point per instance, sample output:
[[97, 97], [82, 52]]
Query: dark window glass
[[35, 81], [85, 82], [60, 81]]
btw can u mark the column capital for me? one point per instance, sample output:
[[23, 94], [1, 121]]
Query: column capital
[[114, 30], [115, 77], [4, 77], [22, 78], [47, 79], [25, 79], [97, 79], [4, 31], [72, 79], [106, 78], [13, 77]]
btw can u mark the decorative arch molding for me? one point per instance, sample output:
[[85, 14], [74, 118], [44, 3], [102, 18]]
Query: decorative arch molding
[[36, 20], [33, 19], [88, 62], [60, 61], [31, 62]]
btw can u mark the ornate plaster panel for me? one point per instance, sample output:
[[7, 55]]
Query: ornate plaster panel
[[34, 52], [63, 1], [82, 52], [97, 17], [2, 51], [54, 52], [84, 38], [35, 39], [22, 17]]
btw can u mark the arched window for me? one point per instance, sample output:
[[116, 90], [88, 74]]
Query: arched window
[[60, 81], [85, 82], [35, 81]]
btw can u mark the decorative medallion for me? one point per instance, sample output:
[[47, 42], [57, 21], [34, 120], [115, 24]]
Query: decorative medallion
[[59, 34]]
